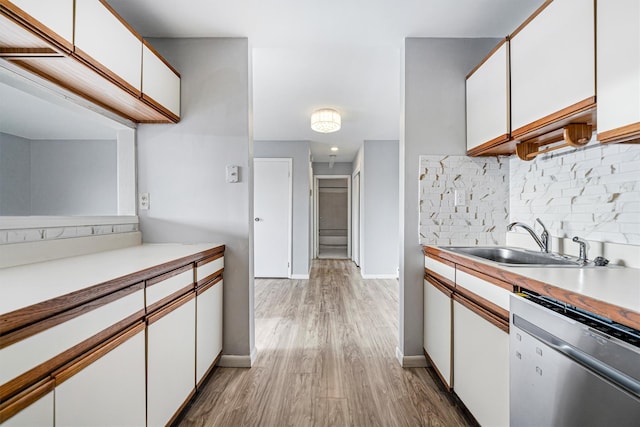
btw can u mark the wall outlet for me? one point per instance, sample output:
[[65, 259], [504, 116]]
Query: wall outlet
[[460, 197], [232, 174], [143, 201]]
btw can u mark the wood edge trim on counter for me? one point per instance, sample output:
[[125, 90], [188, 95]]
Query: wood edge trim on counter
[[182, 407], [41, 371], [12, 406], [34, 328], [483, 303], [152, 318], [489, 317], [157, 279], [487, 278], [627, 133], [159, 107], [213, 276], [207, 285], [440, 255], [37, 28], [578, 107], [210, 259], [42, 310], [441, 260], [480, 149], [530, 18], [437, 371], [209, 371], [122, 21], [444, 288], [105, 72], [154, 307], [486, 58], [159, 56], [75, 366]]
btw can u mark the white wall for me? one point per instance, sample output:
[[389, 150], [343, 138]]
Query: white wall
[[432, 122], [299, 152], [15, 175], [339, 168], [182, 166], [379, 182]]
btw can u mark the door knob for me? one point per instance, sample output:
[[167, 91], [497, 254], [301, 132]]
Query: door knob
[[257, 220]]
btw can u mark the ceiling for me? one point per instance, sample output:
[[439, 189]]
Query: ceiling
[[344, 54]]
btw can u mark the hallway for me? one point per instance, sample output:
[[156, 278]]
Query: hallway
[[325, 358]]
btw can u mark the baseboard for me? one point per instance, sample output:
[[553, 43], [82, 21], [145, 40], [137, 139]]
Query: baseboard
[[411, 361], [300, 276], [379, 276], [238, 361]]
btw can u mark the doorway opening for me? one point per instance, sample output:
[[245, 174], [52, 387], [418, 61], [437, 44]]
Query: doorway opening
[[332, 216]]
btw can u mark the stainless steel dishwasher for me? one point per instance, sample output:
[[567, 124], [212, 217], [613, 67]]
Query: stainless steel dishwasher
[[569, 367]]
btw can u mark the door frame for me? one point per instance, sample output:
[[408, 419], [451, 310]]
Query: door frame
[[289, 161], [316, 222], [356, 219]]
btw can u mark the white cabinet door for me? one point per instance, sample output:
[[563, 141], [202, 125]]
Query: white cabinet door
[[57, 15], [552, 62], [481, 366], [618, 42], [488, 100], [437, 330], [208, 328], [39, 413], [108, 392], [104, 37], [171, 339], [159, 81]]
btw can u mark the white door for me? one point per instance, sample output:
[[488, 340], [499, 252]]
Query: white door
[[272, 217], [355, 217]]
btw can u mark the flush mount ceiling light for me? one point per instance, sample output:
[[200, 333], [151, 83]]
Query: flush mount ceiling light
[[334, 148], [325, 120]]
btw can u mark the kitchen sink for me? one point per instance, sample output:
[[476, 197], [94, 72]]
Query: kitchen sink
[[515, 256]]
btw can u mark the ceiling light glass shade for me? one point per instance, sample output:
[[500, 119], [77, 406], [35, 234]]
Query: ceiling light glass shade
[[325, 120]]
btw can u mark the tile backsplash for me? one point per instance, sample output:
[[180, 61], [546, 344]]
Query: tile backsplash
[[593, 192], [483, 218]]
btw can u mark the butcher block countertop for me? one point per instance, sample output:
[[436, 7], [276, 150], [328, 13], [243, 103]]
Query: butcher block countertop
[[613, 292], [50, 285]]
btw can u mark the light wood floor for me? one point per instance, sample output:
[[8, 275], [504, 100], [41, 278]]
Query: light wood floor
[[325, 358]]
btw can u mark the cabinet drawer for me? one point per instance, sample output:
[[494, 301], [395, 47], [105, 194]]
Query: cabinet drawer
[[444, 270], [206, 269], [162, 289], [494, 294], [37, 349]]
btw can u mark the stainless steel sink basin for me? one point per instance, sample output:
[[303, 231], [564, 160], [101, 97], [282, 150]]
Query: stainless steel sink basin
[[515, 256]]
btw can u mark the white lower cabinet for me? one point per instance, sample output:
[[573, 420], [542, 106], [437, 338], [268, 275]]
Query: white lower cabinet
[[208, 328], [39, 413], [481, 366], [438, 330], [109, 391], [171, 359]]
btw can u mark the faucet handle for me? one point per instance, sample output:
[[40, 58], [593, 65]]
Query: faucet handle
[[583, 248], [545, 236]]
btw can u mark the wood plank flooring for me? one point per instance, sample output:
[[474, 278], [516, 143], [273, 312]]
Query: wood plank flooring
[[325, 358]]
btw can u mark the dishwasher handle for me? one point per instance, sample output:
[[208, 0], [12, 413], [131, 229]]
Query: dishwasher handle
[[589, 362]]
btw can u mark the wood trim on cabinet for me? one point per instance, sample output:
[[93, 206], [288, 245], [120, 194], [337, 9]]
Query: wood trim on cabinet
[[75, 366], [209, 278], [182, 407], [31, 52], [501, 145], [159, 107], [483, 303], [36, 312], [486, 58], [436, 283], [34, 26], [43, 370], [558, 119], [437, 371], [530, 18], [488, 316], [170, 274], [34, 328], [87, 60], [209, 371], [122, 21], [629, 134], [204, 261], [207, 285], [12, 406], [160, 57], [159, 314], [152, 308]]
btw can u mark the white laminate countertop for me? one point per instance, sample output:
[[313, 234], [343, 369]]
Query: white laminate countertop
[[618, 286], [30, 284]]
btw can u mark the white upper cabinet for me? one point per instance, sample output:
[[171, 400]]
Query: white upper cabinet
[[553, 65], [102, 35], [57, 15], [160, 82], [618, 63], [488, 101]]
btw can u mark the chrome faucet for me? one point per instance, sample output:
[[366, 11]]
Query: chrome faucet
[[582, 257], [543, 241]]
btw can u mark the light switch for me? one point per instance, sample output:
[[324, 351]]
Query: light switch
[[232, 173]]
